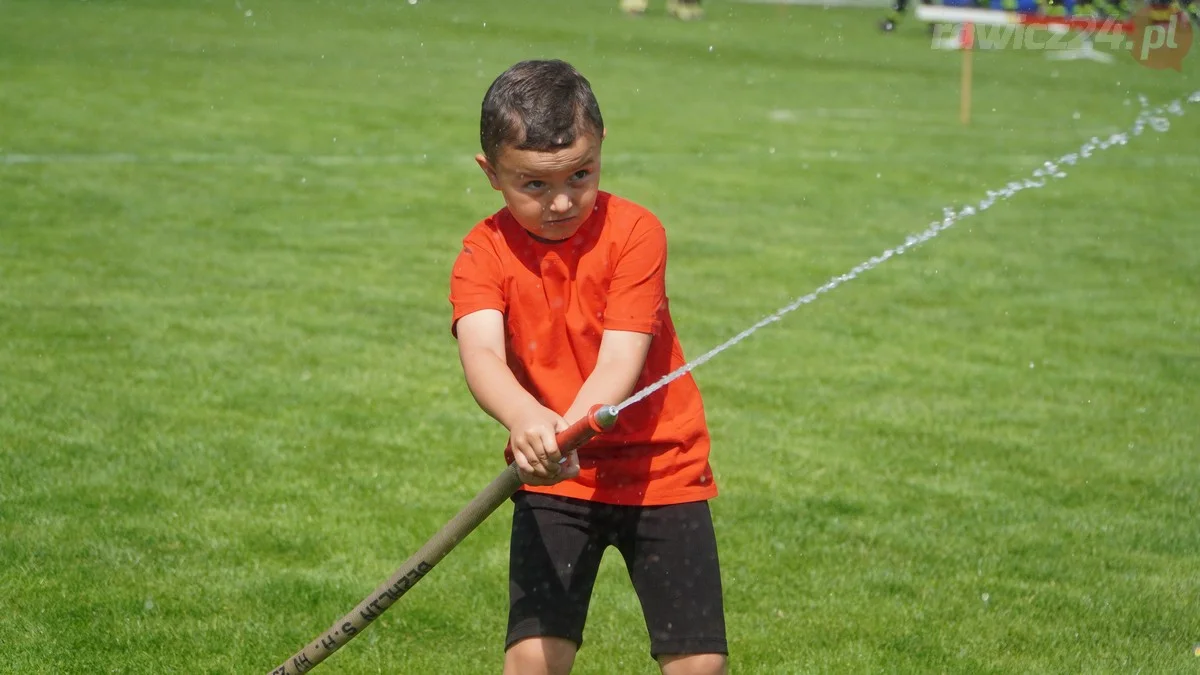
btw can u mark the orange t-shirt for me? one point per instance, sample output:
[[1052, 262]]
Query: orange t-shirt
[[557, 299]]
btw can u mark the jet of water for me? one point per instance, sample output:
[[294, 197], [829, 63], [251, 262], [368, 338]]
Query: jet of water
[[1155, 118]]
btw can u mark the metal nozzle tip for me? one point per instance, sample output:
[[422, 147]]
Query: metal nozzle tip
[[607, 416]]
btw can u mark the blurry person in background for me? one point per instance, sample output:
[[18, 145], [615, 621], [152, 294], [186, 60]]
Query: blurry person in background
[[685, 10], [1122, 10], [897, 12]]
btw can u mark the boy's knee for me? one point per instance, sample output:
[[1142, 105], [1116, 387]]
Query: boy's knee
[[540, 656], [693, 664]]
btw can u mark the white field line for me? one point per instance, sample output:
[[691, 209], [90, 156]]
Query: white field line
[[211, 158], [930, 122], [923, 123], [834, 156]]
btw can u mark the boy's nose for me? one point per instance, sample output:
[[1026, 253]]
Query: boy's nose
[[561, 203]]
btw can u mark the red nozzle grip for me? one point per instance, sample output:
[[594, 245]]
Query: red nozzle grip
[[585, 428]]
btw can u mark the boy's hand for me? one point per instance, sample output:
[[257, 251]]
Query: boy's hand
[[535, 450]]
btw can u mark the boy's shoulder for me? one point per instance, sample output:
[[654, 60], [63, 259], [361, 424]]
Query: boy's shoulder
[[624, 211], [625, 220], [491, 223], [489, 233]]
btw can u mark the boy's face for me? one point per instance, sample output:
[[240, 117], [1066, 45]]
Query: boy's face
[[552, 193]]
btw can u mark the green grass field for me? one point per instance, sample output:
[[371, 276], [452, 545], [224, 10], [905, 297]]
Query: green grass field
[[230, 404]]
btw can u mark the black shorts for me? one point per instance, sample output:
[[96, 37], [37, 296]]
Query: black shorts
[[670, 552]]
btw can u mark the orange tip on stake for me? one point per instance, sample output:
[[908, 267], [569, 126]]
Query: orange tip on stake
[[966, 39]]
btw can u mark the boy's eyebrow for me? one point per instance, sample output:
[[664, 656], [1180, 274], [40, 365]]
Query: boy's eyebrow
[[590, 158]]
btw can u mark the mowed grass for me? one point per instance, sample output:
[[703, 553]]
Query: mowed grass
[[230, 405]]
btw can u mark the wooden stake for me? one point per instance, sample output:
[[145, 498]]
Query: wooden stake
[[967, 44]]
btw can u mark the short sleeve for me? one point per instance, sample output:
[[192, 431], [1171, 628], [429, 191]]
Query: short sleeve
[[476, 279], [637, 293]]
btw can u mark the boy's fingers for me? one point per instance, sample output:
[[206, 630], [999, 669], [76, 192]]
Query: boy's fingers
[[527, 458], [522, 462], [537, 453], [538, 475], [570, 466], [536, 468], [550, 447], [560, 425], [530, 444], [529, 478], [539, 463]]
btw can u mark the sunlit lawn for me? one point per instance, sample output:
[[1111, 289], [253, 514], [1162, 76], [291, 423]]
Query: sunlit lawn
[[230, 404]]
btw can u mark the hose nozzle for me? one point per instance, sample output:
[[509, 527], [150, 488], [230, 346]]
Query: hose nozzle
[[599, 419]]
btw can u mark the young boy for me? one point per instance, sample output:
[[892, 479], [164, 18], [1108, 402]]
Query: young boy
[[559, 303]]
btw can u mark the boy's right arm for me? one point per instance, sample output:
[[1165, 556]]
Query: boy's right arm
[[531, 425]]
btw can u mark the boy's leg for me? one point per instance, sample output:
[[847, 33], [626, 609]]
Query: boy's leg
[[687, 10], [671, 553], [693, 664], [636, 7], [554, 557], [893, 18]]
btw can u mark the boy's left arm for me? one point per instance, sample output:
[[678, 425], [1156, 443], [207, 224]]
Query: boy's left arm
[[636, 294], [619, 363]]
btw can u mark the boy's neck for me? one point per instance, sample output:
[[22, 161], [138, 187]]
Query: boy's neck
[[551, 242]]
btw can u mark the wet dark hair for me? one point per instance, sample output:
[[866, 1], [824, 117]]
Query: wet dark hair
[[538, 105]]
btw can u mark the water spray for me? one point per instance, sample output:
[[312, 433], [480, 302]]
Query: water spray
[[1155, 118]]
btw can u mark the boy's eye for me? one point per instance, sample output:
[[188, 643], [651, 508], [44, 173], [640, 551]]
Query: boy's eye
[[535, 185], [580, 175]]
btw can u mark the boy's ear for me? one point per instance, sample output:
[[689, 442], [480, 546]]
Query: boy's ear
[[603, 134], [488, 170]]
